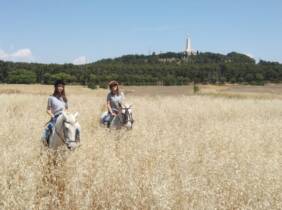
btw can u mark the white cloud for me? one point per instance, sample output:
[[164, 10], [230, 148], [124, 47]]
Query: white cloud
[[80, 60], [3, 55], [19, 55], [22, 53]]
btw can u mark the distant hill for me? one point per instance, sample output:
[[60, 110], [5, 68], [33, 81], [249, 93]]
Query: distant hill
[[156, 69], [181, 58]]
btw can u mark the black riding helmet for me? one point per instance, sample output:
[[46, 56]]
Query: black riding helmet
[[59, 82]]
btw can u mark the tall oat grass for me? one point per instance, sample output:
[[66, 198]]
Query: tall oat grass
[[190, 152]]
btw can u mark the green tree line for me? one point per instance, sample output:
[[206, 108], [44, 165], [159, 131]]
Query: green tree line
[[156, 69]]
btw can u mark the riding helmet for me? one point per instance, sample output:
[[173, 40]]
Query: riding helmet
[[59, 82]]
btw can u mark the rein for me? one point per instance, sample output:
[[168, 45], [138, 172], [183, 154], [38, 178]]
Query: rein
[[58, 134]]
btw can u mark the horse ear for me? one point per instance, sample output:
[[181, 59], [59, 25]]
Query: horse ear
[[76, 115]]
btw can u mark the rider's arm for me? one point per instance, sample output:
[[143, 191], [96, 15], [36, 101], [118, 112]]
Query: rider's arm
[[49, 112], [109, 107]]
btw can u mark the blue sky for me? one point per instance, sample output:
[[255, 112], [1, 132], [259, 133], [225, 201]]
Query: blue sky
[[61, 31]]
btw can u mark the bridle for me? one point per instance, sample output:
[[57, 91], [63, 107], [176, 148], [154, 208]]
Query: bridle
[[124, 117], [58, 132], [127, 115]]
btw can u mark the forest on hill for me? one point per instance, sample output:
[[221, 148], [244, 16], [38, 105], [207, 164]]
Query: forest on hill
[[156, 69]]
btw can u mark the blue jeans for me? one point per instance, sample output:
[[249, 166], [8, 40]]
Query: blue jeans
[[107, 119], [49, 128]]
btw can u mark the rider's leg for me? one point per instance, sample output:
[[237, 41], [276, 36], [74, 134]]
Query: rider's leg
[[107, 120], [50, 127], [111, 118], [109, 123], [48, 130], [47, 133]]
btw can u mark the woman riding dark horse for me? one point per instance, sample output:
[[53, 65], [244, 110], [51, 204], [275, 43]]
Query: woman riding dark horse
[[115, 99]]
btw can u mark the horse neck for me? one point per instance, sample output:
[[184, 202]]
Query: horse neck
[[59, 124]]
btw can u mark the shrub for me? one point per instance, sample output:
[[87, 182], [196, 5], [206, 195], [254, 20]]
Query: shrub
[[92, 85], [21, 76]]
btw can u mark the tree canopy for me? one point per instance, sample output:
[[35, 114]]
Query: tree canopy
[[157, 69]]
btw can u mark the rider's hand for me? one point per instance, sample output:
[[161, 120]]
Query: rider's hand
[[114, 114], [53, 118]]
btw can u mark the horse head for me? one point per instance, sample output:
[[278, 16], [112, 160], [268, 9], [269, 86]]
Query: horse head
[[70, 128], [127, 115]]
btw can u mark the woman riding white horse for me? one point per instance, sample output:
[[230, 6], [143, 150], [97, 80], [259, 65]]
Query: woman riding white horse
[[56, 106], [65, 131]]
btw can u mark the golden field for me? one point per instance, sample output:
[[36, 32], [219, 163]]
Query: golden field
[[219, 149]]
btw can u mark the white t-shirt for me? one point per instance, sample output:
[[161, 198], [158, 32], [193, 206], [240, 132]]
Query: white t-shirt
[[115, 100], [57, 105]]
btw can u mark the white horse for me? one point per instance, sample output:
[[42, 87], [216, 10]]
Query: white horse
[[122, 119], [64, 131]]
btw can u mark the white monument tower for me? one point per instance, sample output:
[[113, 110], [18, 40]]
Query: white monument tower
[[188, 47]]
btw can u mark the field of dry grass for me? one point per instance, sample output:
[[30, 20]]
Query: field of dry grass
[[184, 152]]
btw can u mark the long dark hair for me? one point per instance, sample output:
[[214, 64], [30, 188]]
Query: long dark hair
[[111, 85], [57, 94], [117, 92]]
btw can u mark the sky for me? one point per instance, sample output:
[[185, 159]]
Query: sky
[[68, 31]]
